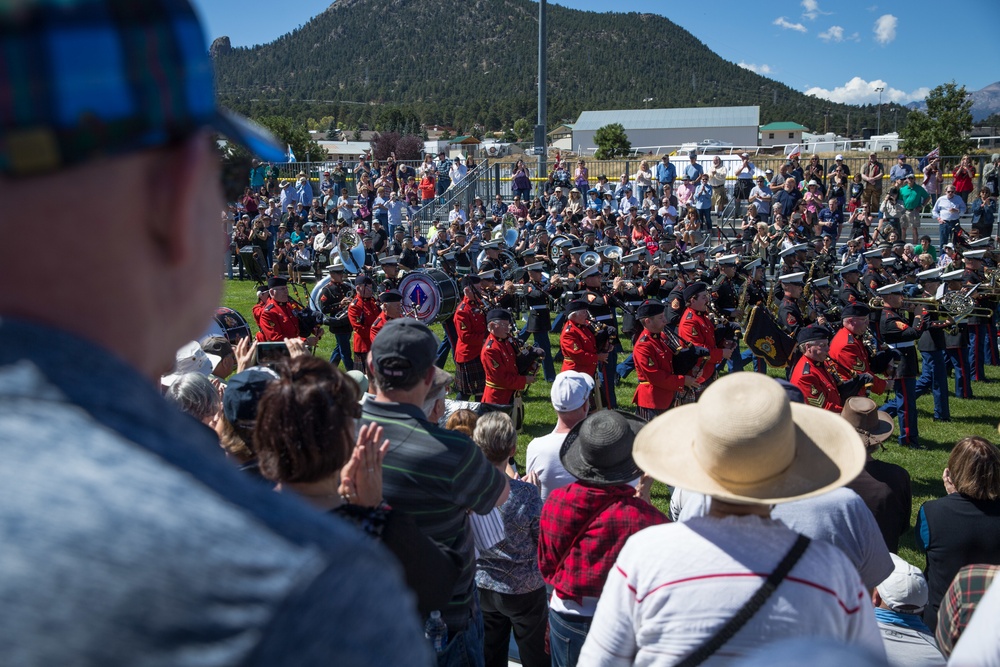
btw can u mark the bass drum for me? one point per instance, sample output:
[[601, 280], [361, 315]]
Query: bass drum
[[429, 296], [229, 324]]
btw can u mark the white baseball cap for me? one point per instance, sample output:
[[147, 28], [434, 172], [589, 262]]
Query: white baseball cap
[[904, 590], [570, 390]]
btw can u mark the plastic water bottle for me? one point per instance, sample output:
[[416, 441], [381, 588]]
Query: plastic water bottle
[[437, 632]]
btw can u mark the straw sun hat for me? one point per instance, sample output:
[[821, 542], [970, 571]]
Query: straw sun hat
[[744, 442]]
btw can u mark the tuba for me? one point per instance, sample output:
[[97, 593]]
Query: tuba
[[351, 248], [589, 259]]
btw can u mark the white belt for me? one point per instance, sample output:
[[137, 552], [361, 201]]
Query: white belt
[[539, 307], [605, 317], [634, 303], [900, 346]]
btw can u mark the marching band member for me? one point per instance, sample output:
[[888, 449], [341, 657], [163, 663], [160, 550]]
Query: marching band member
[[815, 376], [391, 267], [848, 350], [956, 341], [697, 329], [391, 305], [492, 261], [602, 310], [901, 336], [537, 299], [277, 317], [979, 343], [931, 345], [756, 295], [820, 305], [361, 314], [789, 314], [470, 325], [334, 299], [852, 289], [578, 341], [499, 359], [654, 364]]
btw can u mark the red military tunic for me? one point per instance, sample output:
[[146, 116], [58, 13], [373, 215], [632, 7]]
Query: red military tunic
[[362, 314], [258, 308], [502, 379], [851, 357], [818, 386], [579, 348], [470, 325], [277, 322], [377, 325], [654, 364], [696, 329]]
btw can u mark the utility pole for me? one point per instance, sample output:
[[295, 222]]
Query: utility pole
[[894, 112], [878, 116], [540, 127], [826, 121]]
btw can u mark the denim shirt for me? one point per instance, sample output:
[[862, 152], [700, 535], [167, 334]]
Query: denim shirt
[[129, 539]]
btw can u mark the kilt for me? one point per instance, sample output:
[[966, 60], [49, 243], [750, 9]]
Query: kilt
[[649, 414], [361, 362], [470, 377]]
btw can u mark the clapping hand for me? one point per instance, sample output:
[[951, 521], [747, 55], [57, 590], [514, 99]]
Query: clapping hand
[[361, 478]]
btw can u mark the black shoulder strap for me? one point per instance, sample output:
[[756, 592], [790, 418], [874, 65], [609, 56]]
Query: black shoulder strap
[[752, 606]]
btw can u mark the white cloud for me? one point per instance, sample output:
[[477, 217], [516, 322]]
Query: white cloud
[[782, 22], [885, 29], [834, 34], [810, 9], [758, 69], [859, 91]]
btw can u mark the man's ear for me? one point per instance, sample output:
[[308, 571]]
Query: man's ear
[[429, 378], [174, 190]]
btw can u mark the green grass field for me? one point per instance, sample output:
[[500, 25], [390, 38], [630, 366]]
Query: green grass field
[[969, 417]]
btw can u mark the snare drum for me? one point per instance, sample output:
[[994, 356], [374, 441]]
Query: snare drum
[[430, 295]]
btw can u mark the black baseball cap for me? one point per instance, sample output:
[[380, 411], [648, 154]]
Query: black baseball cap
[[404, 348]]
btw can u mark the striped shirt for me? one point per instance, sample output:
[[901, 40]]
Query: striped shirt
[[436, 476]]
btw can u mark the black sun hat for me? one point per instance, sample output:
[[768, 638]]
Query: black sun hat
[[599, 449]]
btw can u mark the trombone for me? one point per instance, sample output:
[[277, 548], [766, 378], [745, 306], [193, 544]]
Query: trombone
[[956, 305]]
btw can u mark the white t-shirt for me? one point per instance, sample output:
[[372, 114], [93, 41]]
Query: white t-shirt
[[675, 585], [542, 456], [839, 517]]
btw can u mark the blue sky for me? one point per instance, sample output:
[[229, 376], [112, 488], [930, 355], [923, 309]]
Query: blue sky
[[840, 51]]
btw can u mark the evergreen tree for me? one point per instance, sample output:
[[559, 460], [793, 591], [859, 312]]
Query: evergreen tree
[[611, 142], [946, 125]]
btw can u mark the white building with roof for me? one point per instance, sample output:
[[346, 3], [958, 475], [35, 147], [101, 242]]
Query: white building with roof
[[664, 130]]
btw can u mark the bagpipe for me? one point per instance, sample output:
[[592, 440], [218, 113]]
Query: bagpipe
[[606, 337], [309, 319], [528, 358]]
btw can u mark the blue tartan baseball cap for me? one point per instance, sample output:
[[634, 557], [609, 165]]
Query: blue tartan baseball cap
[[82, 79]]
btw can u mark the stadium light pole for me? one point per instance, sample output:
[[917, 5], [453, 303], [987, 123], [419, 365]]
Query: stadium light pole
[[878, 116], [540, 126]]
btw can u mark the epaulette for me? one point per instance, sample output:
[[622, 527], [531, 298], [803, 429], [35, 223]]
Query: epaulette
[[805, 368], [689, 315], [268, 307]]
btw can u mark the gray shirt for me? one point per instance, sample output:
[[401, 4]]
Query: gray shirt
[[129, 539]]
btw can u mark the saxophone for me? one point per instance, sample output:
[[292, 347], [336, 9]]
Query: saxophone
[[741, 305]]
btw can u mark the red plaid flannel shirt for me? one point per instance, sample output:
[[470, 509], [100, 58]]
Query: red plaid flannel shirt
[[965, 592], [570, 511]]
